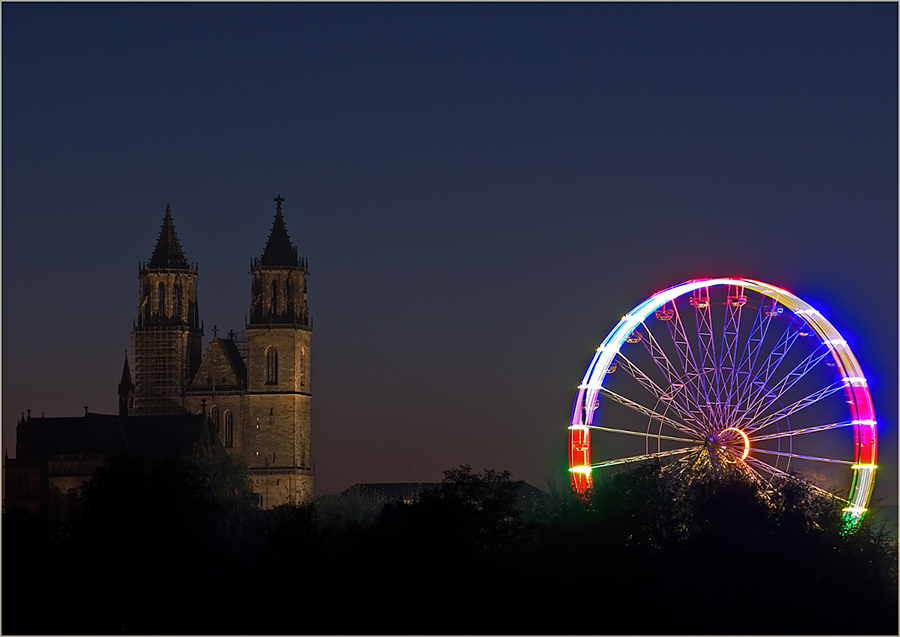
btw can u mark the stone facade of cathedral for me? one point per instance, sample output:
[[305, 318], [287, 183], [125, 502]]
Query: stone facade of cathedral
[[254, 388], [248, 395]]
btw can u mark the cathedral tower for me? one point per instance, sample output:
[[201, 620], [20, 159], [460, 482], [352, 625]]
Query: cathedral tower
[[276, 431], [167, 334]]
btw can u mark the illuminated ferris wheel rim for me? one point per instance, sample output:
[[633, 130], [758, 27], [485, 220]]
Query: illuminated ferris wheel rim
[[862, 410]]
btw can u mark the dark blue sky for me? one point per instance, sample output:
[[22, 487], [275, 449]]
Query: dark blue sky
[[482, 190]]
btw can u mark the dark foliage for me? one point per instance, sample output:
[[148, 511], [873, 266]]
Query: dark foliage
[[178, 547], [718, 556], [152, 542]]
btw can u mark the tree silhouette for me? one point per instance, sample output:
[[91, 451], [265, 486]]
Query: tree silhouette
[[178, 546]]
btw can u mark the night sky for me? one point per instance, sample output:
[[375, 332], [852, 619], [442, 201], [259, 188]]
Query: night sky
[[481, 190]]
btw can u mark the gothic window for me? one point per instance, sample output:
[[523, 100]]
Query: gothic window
[[271, 366], [287, 296], [229, 429], [161, 300], [214, 418], [273, 302], [176, 301], [302, 370]]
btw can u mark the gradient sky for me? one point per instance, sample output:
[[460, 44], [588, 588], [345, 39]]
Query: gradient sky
[[482, 190]]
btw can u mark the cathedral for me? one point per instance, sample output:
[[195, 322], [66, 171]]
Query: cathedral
[[248, 394]]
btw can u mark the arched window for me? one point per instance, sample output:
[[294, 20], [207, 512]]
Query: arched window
[[161, 300], [271, 366], [273, 302], [302, 368], [214, 419], [176, 301], [287, 296], [229, 429]]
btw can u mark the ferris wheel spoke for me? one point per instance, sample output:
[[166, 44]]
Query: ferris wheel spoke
[[757, 384], [655, 390], [807, 430], [784, 454], [778, 473], [646, 411], [727, 362], [749, 356], [707, 348], [770, 397], [641, 458], [667, 368], [644, 434], [794, 407], [757, 475], [688, 361]]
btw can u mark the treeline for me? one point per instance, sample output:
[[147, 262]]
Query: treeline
[[179, 547]]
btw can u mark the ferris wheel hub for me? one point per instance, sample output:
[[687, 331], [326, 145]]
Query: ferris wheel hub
[[738, 440]]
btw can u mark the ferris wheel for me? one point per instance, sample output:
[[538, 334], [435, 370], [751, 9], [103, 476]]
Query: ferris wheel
[[728, 372]]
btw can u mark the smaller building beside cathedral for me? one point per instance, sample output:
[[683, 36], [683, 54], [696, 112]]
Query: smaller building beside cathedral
[[251, 391]]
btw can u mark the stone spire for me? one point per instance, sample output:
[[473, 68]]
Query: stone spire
[[168, 333], [279, 249], [126, 390], [125, 381], [168, 253]]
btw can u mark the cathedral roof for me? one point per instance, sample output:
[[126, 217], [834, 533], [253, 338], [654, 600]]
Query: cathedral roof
[[91, 434], [279, 249], [168, 253], [101, 434], [222, 367]]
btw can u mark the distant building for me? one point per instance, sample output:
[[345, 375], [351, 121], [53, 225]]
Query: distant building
[[530, 500], [253, 389], [405, 492]]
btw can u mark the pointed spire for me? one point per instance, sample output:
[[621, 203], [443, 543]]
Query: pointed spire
[[168, 253], [125, 384], [126, 373], [279, 249]]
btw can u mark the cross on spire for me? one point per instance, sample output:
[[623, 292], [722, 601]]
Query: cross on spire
[[279, 249]]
